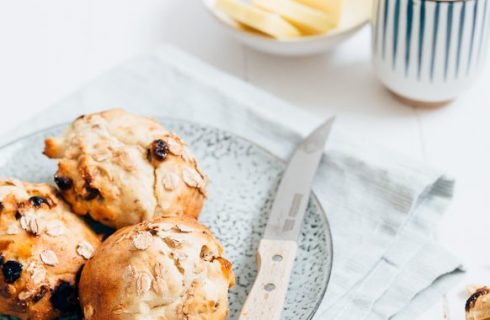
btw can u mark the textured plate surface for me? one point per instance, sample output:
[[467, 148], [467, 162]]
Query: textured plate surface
[[244, 178]]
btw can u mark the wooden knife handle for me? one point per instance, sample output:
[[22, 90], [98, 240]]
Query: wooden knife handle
[[275, 260]]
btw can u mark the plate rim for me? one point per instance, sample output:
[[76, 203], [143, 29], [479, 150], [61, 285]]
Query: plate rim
[[313, 196]]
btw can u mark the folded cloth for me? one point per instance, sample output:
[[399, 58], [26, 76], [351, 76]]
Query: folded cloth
[[382, 207]]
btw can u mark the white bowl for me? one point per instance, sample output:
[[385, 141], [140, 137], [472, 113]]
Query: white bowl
[[355, 15]]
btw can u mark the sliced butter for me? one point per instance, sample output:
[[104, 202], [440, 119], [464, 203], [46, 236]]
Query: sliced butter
[[307, 19], [256, 18], [333, 8]]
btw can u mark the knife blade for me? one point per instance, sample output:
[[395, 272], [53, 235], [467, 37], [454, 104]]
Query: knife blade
[[292, 196], [277, 249]]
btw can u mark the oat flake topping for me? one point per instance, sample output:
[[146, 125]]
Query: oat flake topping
[[143, 283], [55, 229], [170, 181], [188, 156], [85, 249], [142, 240], [182, 228], [129, 273], [24, 295], [28, 222], [174, 146], [192, 178], [38, 273], [49, 257], [12, 228]]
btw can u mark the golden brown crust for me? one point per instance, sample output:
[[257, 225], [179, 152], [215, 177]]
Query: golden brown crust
[[43, 246], [168, 268], [124, 169]]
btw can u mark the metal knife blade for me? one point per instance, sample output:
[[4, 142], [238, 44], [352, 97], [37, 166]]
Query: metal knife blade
[[294, 190]]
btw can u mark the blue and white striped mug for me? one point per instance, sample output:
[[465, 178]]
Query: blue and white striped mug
[[429, 50]]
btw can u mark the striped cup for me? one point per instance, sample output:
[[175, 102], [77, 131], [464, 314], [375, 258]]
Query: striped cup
[[429, 50]]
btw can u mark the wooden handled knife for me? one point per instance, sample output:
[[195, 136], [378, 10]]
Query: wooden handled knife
[[277, 249]]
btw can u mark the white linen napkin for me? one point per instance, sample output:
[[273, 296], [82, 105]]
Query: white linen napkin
[[382, 207]]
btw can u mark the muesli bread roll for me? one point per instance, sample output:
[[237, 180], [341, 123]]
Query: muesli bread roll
[[168, 268], [122, 169], [42, 249]]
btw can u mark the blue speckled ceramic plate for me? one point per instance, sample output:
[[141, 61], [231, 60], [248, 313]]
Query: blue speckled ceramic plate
[[243, 182]]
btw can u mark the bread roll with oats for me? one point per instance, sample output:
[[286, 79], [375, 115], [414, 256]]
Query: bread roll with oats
[[168, 268], [123, 169], [42, 248], [478, 305]]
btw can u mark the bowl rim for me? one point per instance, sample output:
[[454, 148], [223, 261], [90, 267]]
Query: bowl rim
[[335, 33], [313, 197]]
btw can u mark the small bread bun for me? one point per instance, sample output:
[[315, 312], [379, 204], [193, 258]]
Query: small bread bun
[[478, 305], [169, 268], [42, 249], [123, 169]]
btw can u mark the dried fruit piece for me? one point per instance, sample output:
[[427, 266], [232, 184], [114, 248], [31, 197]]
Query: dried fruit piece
[[12, 271], [42, 292], [49, 257], [91, 193], [142, 240], [159, 149], [64, 183], [37, 201], [85, 249], [470, 303], [65, 297]]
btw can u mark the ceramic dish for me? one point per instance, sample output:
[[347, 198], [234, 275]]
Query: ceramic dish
[[244, 178], [355, 15]]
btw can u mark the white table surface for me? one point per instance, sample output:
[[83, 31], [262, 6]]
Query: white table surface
[[49, 48]]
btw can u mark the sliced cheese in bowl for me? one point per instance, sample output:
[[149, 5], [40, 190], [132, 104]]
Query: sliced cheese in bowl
[[333, 8], [307, 19], [267, 22]]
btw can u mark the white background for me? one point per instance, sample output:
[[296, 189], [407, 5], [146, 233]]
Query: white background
[[50, 48]]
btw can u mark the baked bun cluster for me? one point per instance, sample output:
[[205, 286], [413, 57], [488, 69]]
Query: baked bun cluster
[[42, 249], [124, 171], [169, 268]]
